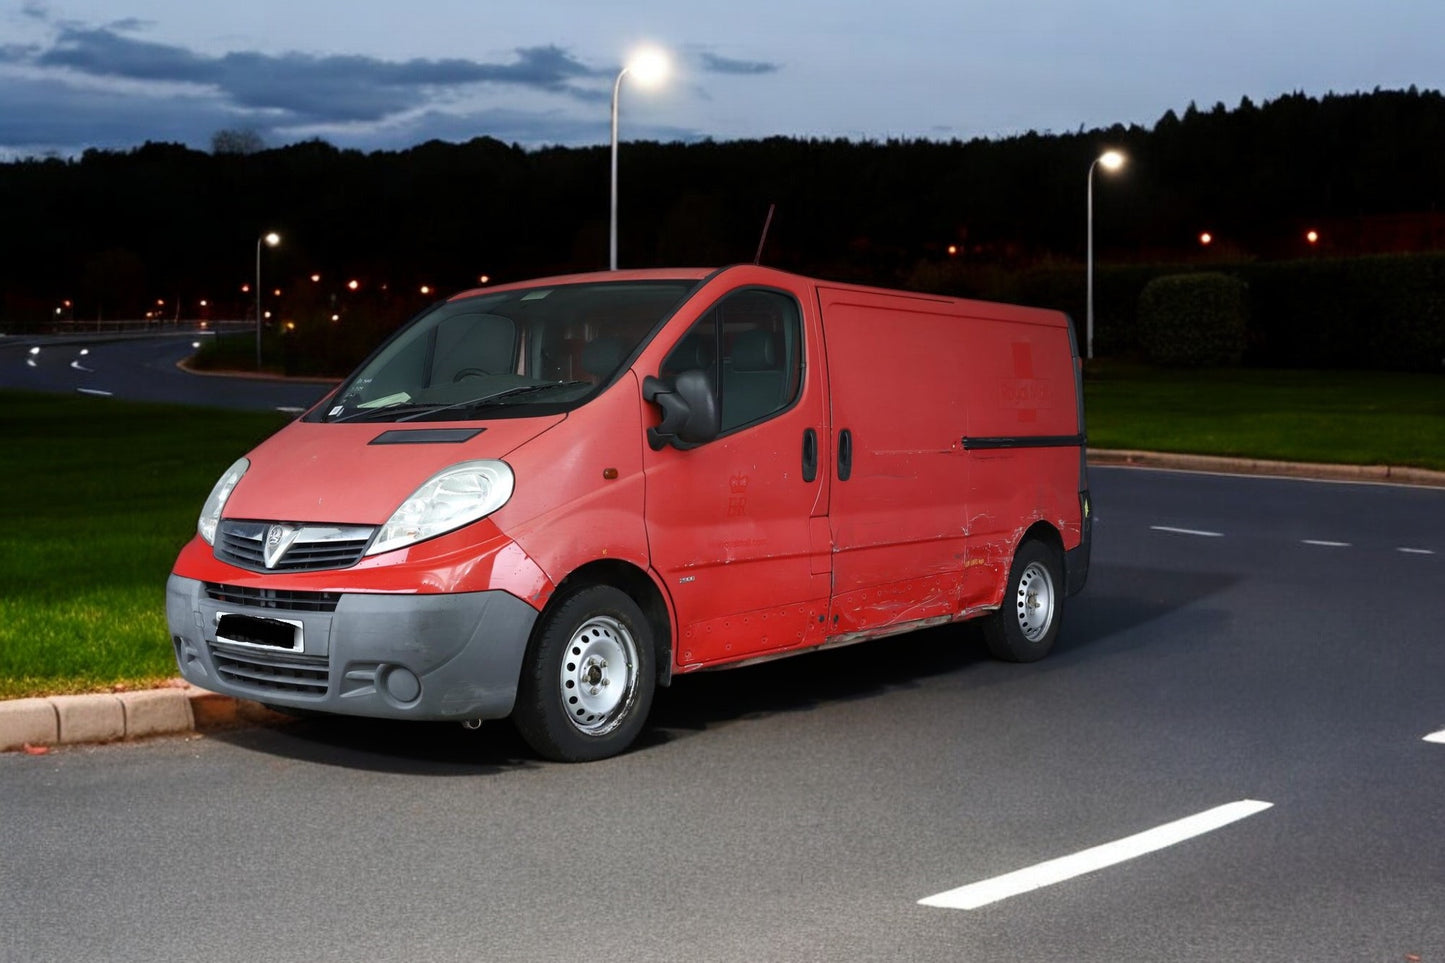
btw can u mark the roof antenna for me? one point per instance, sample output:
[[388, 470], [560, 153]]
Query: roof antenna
[[758, 257]]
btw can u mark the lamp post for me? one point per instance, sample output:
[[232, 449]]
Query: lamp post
[[1112, 161], [649, 67], [270, 240]]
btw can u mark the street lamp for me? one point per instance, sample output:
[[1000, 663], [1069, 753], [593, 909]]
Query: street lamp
[[270, 240], [1112, 161], [649, 67]]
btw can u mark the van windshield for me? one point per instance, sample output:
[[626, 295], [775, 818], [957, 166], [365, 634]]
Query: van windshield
[[521, 352]]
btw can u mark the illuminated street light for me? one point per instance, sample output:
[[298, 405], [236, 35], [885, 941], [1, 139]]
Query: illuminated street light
[[270, 240], [649, 67], [1313, 237], [1205, 238], [1112, 160]]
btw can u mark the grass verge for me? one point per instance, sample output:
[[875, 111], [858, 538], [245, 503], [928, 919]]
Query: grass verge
[[1335, 417], [97, 498]]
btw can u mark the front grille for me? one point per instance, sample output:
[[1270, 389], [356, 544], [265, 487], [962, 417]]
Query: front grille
[[265, 671], [278, 599], [293, 547]]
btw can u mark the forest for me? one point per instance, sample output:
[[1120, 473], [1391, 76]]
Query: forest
[[162, 227]]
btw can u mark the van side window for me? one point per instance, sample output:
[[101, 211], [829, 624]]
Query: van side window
[[750, 344]]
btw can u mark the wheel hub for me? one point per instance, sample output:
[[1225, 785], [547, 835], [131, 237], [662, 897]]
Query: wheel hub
[[1035, 602], [598, 674]]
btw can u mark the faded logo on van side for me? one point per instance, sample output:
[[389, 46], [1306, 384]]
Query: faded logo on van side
[[1026, 393], [737, 496]]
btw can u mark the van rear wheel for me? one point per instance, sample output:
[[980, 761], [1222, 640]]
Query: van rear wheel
[[1026, 625], [587, 682]]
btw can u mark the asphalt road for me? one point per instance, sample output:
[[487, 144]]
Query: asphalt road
[[1241, 639], [139, 368]]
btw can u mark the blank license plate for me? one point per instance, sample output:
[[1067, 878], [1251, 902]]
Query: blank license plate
[[266, 633]]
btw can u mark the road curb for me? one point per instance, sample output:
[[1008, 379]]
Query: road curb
[[1380, 474], [34, 725]]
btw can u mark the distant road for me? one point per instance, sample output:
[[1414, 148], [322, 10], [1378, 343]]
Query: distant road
[[140, 368]]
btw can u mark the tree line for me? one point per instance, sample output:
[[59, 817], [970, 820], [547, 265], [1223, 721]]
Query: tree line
[[112, 233]]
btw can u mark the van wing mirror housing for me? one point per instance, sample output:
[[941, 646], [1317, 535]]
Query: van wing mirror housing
[[690, 415]]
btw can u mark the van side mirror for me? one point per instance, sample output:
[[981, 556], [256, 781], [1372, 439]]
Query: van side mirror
[[690, 415]]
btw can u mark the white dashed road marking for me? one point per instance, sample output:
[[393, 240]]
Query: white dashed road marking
[[1436, 737], [1185, 531], [1323, 543], [1416, 551], [988, 891]]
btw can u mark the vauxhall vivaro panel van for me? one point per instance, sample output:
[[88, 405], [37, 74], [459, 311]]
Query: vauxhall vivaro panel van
[[543, 499]]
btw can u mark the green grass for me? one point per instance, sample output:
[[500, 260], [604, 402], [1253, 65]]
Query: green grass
[[1355, 418], [97, 496], [96, 499]]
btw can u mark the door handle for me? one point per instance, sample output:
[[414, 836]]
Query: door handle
[[845, 455], [810, 455]]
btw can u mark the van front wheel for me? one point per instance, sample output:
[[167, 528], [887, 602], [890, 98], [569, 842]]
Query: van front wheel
[[1025, 626], [587, 682]]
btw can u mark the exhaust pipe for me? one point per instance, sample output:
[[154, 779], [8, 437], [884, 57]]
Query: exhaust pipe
[[472, 724]]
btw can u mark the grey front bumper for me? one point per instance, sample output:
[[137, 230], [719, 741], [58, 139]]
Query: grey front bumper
[[437, 657]]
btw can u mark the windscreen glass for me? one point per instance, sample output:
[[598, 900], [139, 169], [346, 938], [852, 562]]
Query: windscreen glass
[[508, 353]]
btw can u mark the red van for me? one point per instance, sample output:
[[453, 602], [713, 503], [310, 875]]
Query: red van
[[542, 500]]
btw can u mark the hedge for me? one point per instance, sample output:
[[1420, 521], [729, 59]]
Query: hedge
[[1379, 312]]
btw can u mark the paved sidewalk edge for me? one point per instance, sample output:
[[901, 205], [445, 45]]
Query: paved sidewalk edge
[[34, 725], [1388, 474]]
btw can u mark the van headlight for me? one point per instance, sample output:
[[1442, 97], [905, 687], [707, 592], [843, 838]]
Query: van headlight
[[450, 499], [211, 510]]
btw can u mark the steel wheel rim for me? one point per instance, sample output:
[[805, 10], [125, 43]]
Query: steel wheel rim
[[1035, 601], [599, 675]]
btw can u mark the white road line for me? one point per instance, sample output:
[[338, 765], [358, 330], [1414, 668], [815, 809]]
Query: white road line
[[289, 409], [1436, 737], [1324, 544], [96, 391], [988, 891], [1185, 531], [1416, 551]]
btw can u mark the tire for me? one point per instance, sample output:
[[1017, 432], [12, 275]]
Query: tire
[[1026, 625], [587, 682]]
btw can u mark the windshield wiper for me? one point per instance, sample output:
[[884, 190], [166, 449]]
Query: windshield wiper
[[489, 399]]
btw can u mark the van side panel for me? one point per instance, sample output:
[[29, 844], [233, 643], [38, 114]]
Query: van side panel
[[898, 504], [963, 423], [1023, 437]]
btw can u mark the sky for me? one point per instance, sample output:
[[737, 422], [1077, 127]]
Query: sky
[[387, 74]]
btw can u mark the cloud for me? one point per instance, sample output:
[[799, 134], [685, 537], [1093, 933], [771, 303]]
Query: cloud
[[712, 63], [87, 85], [305, 87]]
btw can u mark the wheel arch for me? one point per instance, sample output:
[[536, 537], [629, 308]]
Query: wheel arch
[[638, 586], [1042, 531]]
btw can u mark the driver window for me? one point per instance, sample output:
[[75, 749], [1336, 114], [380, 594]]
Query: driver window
[[750, 346]]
